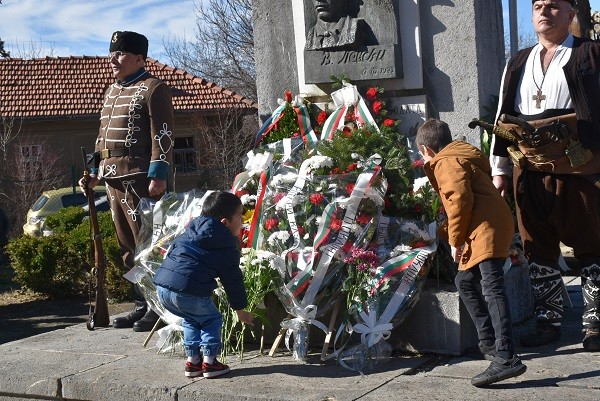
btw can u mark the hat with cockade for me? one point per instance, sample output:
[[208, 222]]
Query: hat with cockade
[[130, 42]]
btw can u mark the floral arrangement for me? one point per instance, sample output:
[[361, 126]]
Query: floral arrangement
[[321, 207]]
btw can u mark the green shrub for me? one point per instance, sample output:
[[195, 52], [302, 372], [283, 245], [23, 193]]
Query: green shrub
[[65, 219], [57, 265]]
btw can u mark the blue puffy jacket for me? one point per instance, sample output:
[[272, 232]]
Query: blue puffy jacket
[[206, 250]]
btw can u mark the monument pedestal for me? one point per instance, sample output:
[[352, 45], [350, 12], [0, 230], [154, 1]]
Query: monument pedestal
[[439, 322]]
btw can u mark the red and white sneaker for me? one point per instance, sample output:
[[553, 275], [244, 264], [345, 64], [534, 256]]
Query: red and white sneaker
[[192, 370], [216, 369]]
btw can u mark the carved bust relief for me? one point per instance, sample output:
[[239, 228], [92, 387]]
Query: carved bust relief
[[334, 28]]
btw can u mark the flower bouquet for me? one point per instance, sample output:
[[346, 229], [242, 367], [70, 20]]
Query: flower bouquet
[[383, 284]]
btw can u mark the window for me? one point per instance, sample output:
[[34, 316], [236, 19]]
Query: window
[[31, 160], [184, 155]]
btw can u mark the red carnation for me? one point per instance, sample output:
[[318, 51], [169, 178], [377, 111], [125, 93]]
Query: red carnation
[[347, 247], [420, 244], [301, 230], [347, 132], [336, 224], [418, 208], [349, 188], [278, 196], [241, 193], [271, 223], [377, 106], [335, 170], [387, 202], [316, 199], [388, 122], [372, 93], [288, 96], [363, 218], [352, 167], [321, 118], [418, 163]]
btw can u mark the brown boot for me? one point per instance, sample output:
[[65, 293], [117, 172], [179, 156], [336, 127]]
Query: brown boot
[[543, 334]]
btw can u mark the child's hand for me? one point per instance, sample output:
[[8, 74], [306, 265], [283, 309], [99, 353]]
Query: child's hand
[[245, 317], [457, 252]]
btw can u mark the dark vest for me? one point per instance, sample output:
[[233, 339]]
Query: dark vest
[[583, 80]]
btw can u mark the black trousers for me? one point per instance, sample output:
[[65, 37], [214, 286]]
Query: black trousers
[[481, 289]]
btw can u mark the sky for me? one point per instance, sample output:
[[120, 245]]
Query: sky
[[84, 27]]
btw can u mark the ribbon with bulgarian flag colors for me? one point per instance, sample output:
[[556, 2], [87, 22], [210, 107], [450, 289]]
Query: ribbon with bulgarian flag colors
[[343, 99], [302, 116]]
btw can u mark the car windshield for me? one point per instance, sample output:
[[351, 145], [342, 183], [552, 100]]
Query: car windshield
[[77, 199], [39, 203]]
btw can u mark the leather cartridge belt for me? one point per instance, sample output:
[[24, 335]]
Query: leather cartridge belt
[[106, 153], [549, 145]]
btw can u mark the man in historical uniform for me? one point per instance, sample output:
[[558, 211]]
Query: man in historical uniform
[[334, 30], [134, 146], [554, 84]]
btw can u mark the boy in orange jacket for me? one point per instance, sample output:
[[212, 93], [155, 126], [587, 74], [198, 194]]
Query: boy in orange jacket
[[480, 229]]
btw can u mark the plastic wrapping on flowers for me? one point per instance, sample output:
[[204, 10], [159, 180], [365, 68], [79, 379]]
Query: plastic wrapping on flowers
[[310, 221], [394, 270], [162, 222]]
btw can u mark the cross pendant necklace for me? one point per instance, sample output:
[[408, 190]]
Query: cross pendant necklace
[[539, 96]]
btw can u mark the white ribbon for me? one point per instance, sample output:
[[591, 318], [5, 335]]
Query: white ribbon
[[306, 315], [372, 331]]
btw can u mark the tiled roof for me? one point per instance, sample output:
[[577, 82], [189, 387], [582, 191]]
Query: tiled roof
[[73, 87]]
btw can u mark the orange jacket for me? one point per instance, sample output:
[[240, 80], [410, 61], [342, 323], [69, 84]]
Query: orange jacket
[[478, 216]]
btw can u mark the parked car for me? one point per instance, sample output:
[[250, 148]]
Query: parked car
[[55, 199]]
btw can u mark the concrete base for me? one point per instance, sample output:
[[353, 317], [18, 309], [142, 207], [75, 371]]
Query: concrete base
[[440, 323]]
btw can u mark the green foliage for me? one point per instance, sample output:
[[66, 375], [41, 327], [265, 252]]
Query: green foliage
[[286, 127], [66, 219], [57, 265]]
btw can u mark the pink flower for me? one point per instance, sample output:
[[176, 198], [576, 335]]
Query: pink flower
[[316, 199], [371, 93], [278, 196], [271, 223]]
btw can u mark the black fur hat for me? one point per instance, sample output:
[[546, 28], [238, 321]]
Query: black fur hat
[[130, 42], [572, 2]]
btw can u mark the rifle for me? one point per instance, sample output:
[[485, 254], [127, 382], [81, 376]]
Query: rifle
[[99, 311]]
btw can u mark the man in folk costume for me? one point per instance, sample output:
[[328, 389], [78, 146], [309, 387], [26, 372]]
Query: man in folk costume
[[134, 149], [557, 193]]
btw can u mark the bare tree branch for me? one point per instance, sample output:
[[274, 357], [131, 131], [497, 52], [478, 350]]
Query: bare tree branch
[[222, 50]]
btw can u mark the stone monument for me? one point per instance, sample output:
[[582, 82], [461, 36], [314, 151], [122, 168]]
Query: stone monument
[[434, 58]]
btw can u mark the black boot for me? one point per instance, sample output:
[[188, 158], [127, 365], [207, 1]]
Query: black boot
[[127, 321], [147, 322]]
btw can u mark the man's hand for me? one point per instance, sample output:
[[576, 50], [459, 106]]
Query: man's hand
[[157, 187], [92, 181], [245, 317], [501, 184], [457, 252]]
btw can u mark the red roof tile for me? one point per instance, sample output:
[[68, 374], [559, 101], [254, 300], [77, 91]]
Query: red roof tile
[[73, 87]]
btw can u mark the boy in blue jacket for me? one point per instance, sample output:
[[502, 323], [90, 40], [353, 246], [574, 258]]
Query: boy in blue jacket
[[207, 249]]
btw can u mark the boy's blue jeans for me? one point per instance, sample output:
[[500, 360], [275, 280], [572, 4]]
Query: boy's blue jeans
[[202, 321], [481, 289]]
